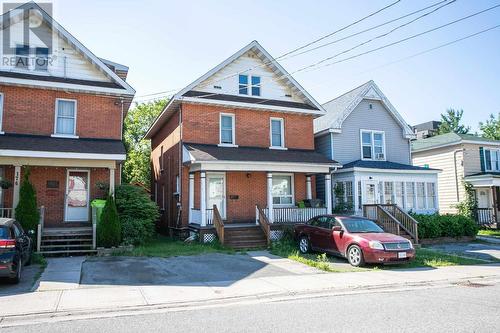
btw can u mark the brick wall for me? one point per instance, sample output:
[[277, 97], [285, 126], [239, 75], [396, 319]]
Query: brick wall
[[200, 124], [32, 111]]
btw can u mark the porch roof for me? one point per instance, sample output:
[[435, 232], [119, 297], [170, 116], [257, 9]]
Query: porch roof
[[23, 145], [484, 179], [384, 165], [268, 159]]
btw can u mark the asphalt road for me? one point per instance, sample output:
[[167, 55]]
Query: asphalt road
[[444, 309]]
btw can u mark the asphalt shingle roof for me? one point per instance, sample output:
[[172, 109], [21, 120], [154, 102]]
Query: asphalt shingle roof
[[445, 139], [386, 165]]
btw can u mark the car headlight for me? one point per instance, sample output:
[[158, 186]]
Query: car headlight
[[375, 245]]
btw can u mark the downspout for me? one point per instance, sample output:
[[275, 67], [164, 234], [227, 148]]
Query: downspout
[[456, 171], [179, 203]]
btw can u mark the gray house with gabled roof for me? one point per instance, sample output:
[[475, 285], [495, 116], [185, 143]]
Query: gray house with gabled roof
[[364, 132]]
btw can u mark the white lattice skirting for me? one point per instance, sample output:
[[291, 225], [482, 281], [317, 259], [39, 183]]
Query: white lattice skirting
[[209, 238], [276, 235]]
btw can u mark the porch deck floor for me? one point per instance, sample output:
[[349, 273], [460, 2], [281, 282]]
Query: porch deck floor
[[240, 225]]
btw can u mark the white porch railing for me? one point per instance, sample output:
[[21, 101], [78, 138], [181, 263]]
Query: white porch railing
[[196, 216], [39, 230], [5, 212], [294, 214]]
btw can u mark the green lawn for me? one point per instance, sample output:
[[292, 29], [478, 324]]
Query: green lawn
[[489, 232], [424, 258], [162, 246]]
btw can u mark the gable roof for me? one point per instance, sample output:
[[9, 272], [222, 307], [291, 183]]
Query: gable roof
[[75, 43], [449, 139], [338, 109], [310, 105]]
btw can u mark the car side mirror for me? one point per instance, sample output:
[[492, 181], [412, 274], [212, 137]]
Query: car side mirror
[[337, 228]]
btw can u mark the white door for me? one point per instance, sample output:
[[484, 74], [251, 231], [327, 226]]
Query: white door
[[216, 193], [370, 196], [483, 198], [77, 196]]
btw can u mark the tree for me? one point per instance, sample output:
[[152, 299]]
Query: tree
[[27, 211], [137, 165], [109, 231], [491, 128], [451, 122]]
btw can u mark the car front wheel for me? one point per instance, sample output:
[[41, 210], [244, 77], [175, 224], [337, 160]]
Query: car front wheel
[[355, 256], [304, 244]]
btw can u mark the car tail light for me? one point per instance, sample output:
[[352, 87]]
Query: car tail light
[[7, 243]]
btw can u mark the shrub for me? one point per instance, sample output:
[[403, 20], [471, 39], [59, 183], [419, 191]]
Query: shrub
[[137, 212], [27, 211], [433, 226], [109, 228]]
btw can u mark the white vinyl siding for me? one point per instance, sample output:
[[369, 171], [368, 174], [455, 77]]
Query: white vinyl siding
[[65, 123]]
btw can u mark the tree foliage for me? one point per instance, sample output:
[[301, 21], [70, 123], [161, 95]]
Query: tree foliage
[[491, 128], [451, 122], [109, 228], [137, 165], [27, 211]]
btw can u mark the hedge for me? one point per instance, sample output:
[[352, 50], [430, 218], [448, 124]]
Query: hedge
[[434, 226], [109, 228]]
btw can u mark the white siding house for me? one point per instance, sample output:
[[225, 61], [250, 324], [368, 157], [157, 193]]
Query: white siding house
[[365, 133]]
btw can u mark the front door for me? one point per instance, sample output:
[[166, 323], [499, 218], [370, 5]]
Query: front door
[[483, 198], [216, 193], [370, 196], [77, 196]]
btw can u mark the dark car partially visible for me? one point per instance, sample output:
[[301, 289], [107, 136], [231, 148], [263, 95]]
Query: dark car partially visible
[[16, 248]]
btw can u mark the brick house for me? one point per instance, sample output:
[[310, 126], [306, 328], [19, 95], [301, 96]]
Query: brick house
[[236, 144], [61, 115]]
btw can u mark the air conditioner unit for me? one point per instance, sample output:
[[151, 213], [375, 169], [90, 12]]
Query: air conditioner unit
[[379, 156]]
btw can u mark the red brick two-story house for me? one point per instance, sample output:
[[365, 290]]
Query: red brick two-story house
[[240, 139], [61, 115]]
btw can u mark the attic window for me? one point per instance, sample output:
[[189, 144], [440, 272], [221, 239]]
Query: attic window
[[22, 55], [246, 88], [370, 106], [243, 84]]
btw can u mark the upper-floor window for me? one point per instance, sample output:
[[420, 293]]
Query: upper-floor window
[[492, 159], [65, 117], [42, 58], [227, 129], [372, 145], [277, 133], [245, 86], [22, 56]]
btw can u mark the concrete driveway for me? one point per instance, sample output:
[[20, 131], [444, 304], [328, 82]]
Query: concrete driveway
[[485, 251], [200, 269], [28, 276]]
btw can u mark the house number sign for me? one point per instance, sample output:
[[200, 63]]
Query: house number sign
[[16, 178]]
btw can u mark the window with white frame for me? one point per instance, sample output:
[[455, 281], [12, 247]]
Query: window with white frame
[[282, 190], [277, 133], [243, 84], [431, 195], [420, 195], [227, 129], [65, 117], [255, 85], [410, 195], [246, 86], [400, 194], [492, 159], [372, 145], [1, 112], [22, 56], [42, 59], [388, 192]]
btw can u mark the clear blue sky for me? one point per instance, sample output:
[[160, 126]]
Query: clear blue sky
[[168, 44]]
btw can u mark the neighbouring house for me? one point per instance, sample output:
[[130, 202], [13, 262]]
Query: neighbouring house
[[364, 132], [236, 147], [463, 158], [61, 115], [427, 129]]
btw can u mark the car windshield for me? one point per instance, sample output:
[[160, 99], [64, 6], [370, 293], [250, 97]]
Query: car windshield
[[361, 225]]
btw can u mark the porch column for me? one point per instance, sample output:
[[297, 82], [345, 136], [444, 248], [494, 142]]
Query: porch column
[[191, 197], [112, 181], [270, 214], [203, 199], [328, 193], [17, 182], [355, 191], [308, 188]]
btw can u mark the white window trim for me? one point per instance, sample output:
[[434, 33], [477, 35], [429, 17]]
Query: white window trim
[[291, 175], [233, 130], [249, 85], [282, 121], [372, 132], [58, 135], [2, 102]]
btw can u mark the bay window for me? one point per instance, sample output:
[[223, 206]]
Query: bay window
[[282, 190]]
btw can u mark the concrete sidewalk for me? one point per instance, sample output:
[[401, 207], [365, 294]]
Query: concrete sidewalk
[[117, 298]]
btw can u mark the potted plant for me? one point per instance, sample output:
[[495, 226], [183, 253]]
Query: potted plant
[[5, 184]]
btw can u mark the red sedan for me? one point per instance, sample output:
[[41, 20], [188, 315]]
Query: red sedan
[[358, 239]]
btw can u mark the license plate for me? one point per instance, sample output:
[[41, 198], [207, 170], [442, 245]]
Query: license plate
[[401, 255]]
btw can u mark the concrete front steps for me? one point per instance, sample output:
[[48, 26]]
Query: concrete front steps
[[244, 236], [67, 241]]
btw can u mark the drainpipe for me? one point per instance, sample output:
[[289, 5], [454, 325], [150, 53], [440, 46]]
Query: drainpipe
[[456, 171], [179, 198]]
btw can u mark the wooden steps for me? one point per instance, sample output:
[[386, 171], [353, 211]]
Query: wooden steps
[[244, 236], [66, 241]]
